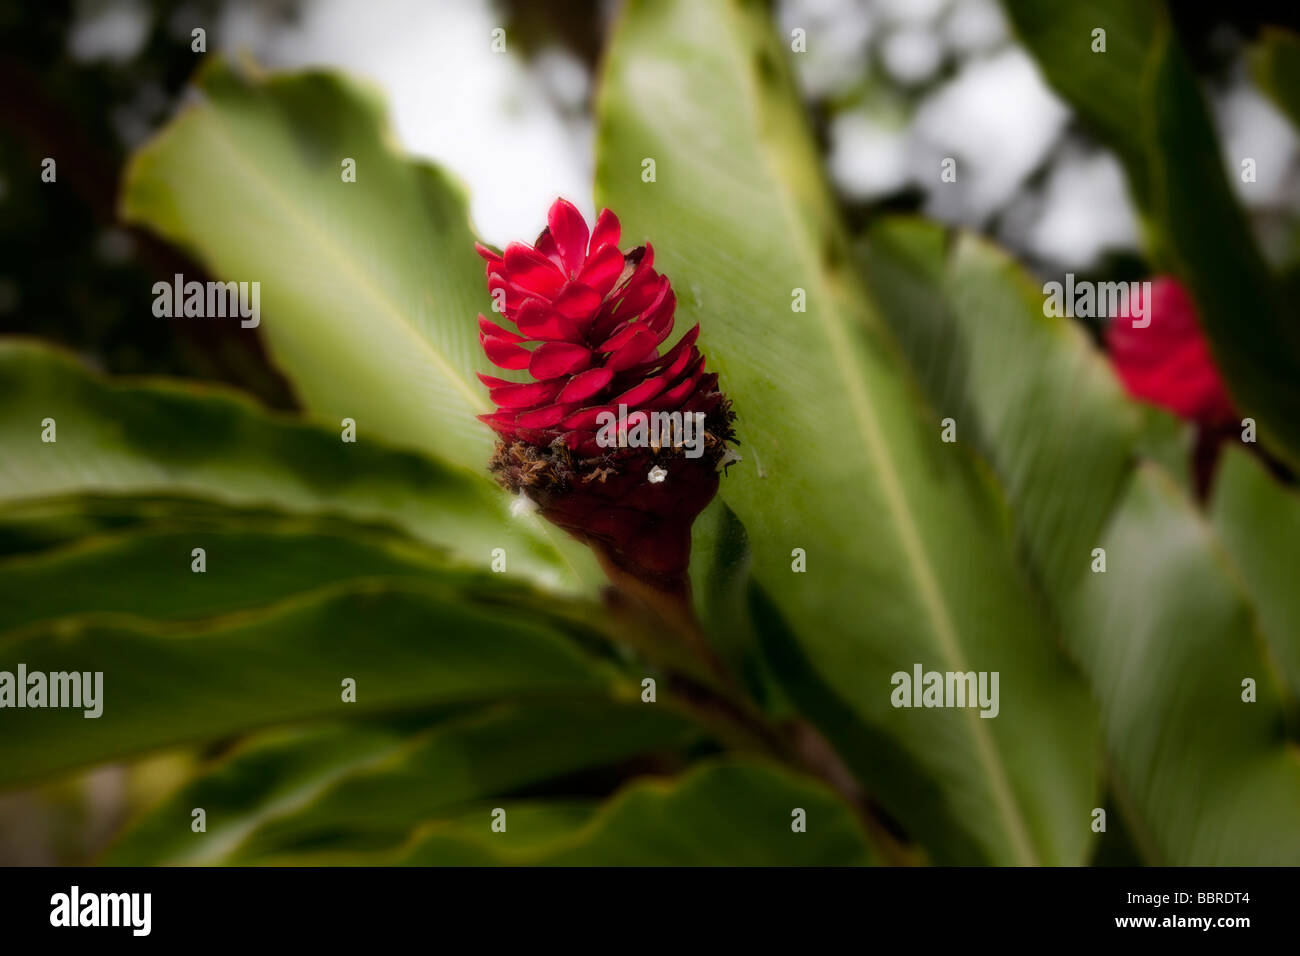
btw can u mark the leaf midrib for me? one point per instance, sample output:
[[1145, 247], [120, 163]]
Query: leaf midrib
[[332, 252], [227, 141], [899, 509]]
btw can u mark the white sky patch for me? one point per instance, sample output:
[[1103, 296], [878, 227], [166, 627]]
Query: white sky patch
[[912, 55], [113, 31], [911, 11], [998, 120], [483, 115], [837, 35], [1251, 126], [1086, 210], [974, 25], [868, 156]]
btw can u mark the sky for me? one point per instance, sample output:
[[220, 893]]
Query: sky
[[944, 80], [496, 122]]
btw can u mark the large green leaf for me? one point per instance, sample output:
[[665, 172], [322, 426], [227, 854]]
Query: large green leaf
[[29, 527], [1167, 638], [361, 786], [148, 572], [909, 558], [724, 814], [1055, 427], [172, 439], [1028, 391], [366, 787], [721, 564], [535, 826], [1036, 399], [1103, 87], [32, 526], [1196, 230], [460, 637], [1258, 522], [369, 288], [270, 774]]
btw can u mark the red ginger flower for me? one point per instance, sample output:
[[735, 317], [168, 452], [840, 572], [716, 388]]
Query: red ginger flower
[[1168, 362], [590, 322]]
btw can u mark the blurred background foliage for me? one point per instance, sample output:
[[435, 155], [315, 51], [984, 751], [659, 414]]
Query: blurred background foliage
[[886, 89], [890, 85]]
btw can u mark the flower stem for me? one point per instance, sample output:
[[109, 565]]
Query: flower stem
[[724, 704]]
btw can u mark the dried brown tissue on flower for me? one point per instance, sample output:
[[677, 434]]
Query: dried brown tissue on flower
[[590, 321]]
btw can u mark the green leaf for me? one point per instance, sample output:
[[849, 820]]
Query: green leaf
[[1029, 392], [271, 774], [365, 788], [874, 755], [534, 825], [1213, 252], [173, 439], [148, 573], [369, 288], [29, 527], [1103, 87], [1167, 637], [1175, 167], [721, 579], [1275, 62], [1258, 522], [909, 559], [1170, 442], [1054, 425], [458, 638], [724, 814]]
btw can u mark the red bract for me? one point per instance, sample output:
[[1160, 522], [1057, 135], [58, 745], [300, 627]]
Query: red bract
[[1168, 363], [589, 322], [588, 325]]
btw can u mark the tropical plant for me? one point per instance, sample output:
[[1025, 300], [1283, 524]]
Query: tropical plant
[[493, 666]]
